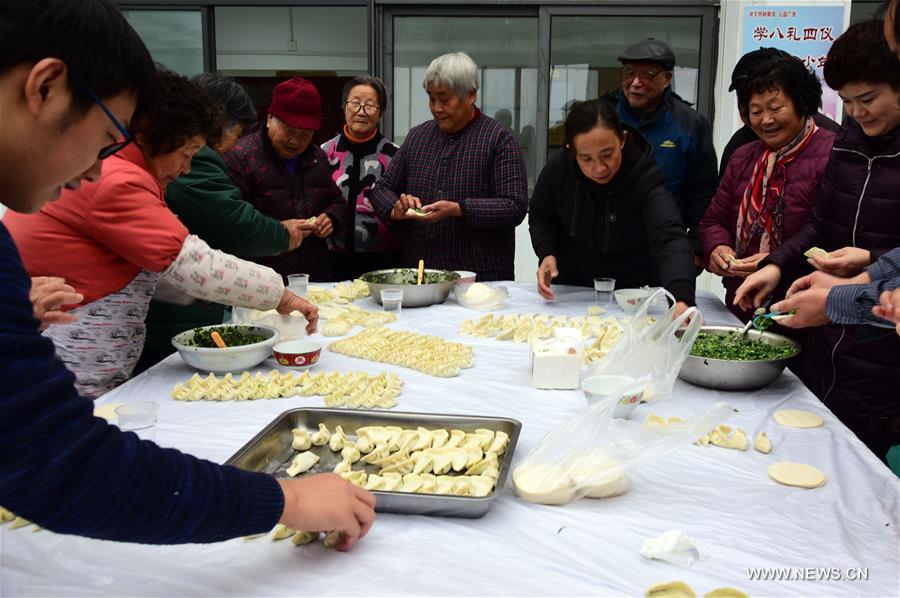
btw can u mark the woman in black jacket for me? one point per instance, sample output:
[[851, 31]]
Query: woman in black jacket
[[601, 208]]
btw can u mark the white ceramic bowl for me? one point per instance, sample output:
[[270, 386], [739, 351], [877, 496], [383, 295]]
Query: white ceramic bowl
[[465, 277], [229, 359], [631, 299], [599, 388]]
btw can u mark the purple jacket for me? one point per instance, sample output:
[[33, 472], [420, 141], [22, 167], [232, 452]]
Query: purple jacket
[[481, 168], [853, 369], [719, 224], [264, 181]]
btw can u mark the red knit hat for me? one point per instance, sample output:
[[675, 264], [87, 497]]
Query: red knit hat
[[297, 104]]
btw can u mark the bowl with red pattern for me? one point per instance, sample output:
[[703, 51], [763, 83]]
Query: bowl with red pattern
[[297, 354]]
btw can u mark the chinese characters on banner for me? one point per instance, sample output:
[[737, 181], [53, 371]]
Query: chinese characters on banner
[[807, 32]]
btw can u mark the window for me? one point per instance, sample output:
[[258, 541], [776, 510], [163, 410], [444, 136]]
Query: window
[[174, 37]]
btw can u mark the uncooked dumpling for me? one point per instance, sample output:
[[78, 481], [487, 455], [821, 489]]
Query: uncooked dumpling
[[671, 589], [302, 462], [321, 437]]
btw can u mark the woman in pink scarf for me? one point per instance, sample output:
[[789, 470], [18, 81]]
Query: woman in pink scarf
[[769, 186]]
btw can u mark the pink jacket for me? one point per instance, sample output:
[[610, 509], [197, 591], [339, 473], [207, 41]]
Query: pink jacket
[[719, 224]]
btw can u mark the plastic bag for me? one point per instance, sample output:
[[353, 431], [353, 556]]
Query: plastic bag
[[291, 326], [593, 453], [652, 347]]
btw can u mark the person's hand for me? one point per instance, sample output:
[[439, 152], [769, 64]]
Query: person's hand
[[680, 308], [324, 226], [327, 502], [404, 203], [298, 229], [888, 307], [48, 294], [746, 266], [820, 280], [291, 302], [547, 271], [809, 303], [848, 261], [720, 260], [439, 210], [757, 287]]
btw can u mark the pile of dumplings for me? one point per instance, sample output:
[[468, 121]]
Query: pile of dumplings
[[6, 516], [419, 460], [520, 328], [342, 293], [341, 318], [431, 355], [356, 390]]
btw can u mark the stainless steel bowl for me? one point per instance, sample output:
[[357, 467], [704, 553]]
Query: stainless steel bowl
[[723, 374], [414, 295]]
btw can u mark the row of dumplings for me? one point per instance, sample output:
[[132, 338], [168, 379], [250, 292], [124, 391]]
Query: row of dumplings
[[520, 328], [400, 453], [428, 354], [356, 390]]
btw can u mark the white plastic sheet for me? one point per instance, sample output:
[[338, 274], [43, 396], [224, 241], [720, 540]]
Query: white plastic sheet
[[720, 498]]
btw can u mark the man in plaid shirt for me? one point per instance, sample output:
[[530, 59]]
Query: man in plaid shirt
[[457, 189]]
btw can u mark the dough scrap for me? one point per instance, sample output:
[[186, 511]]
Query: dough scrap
[[799, 475], [796, 418], [762, 443]]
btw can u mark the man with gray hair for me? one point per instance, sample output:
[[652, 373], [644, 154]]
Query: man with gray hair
[[456, 190]]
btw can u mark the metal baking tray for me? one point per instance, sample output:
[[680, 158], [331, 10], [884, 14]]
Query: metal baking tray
[[270, 452]]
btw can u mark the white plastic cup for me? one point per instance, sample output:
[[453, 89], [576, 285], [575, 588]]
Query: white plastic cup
[[298, 284], [139, 418], [603, 290], [392, 300]]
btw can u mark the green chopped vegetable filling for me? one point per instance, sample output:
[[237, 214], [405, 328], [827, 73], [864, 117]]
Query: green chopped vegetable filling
[[234, 336], [730, 348], [403, 276]]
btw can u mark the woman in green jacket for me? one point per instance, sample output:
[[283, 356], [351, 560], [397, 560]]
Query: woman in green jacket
[[211, 207]]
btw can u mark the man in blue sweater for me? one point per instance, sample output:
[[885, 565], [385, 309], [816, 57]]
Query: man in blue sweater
[[71, 73]]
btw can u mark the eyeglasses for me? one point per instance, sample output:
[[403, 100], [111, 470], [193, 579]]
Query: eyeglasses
[[109, 150], [628, 75], [368, 109]]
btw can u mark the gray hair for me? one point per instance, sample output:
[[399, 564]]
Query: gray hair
[[456, 70]]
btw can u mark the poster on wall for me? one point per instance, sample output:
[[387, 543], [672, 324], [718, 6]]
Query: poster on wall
[[807, 32]]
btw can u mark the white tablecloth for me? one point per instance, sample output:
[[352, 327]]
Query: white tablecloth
[[721, 498]]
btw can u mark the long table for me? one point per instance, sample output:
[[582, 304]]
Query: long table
[[840, 539]]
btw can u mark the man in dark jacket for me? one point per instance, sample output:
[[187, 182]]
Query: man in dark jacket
[[680, 136], [739, 76], [285, 176]]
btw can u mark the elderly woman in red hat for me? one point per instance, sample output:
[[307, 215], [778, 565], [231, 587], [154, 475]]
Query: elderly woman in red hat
[[284, 175]]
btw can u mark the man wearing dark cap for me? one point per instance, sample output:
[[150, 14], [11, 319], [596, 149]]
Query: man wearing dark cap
[[739, 77], [680, 136], [284, 175]]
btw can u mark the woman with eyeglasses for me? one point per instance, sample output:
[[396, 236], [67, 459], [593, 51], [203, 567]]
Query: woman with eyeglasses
[[601, 208], [358, 157], [115, 239]]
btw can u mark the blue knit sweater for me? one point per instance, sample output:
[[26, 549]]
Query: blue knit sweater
[[73, 473]]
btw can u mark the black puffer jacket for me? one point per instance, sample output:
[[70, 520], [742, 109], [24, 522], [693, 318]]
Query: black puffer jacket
[[628, 229], [855, 369]]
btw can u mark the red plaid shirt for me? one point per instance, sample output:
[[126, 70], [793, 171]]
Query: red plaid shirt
[[482, 169]]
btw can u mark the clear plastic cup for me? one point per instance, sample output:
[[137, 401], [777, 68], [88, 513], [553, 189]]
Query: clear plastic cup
[[603, 290], [392, 300], [139, 418], [298, 284]]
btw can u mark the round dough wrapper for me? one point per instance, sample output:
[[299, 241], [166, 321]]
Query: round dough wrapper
[[797, 474], [725, 593], [591, 476], [671, 589], [795, 418]]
